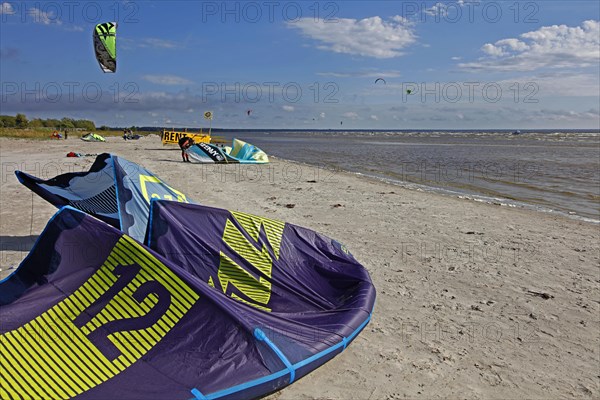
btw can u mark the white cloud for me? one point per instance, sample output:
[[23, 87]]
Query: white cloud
[[553, 85], [443, 9], [6, 8], [400, 19], [492, 50], [350, 114], [322, 115], [42, 17], [34, 14], [455, 58], [156, 43], [437, 9], [374, 117], [167, 80], [362, 74], [288, 108], [556, 46], [512, 44], [504, 47], [369, 37]]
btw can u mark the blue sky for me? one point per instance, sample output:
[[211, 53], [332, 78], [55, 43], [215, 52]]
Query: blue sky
[[308, 65]]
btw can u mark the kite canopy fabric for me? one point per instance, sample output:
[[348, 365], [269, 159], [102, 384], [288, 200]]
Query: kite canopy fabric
[[240, 153], [268, 264], [240, 307], [105, 45], [114, 190], [93, 137]]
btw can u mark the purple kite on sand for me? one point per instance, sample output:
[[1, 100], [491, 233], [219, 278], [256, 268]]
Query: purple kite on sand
[[215, 304]]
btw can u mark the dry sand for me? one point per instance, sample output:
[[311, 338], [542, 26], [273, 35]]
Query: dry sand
[[459, 312]]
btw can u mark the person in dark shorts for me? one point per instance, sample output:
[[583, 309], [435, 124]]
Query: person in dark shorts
[[185, 143]]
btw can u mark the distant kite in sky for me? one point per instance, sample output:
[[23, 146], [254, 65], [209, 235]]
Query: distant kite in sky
[[382, 80], [105, 45]]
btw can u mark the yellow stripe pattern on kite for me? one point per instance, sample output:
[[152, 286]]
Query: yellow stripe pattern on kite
[[255, 287], [50, 357]]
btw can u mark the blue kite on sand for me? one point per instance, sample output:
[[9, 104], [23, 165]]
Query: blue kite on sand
[[114, 190]]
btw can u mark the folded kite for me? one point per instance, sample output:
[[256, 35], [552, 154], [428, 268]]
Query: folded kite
[[115, 190], [220, 305], [214, 304]]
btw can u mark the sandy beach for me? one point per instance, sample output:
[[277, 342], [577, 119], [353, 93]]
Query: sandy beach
[[474, 300]]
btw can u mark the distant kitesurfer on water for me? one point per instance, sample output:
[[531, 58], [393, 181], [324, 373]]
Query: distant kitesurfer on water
[[185, 143]]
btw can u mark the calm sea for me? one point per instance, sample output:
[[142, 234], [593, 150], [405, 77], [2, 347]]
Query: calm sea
[[552, 171]]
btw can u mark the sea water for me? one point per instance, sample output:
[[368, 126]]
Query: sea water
[[551, 171]]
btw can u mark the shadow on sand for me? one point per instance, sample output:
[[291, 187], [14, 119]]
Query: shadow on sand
[[17, 243]]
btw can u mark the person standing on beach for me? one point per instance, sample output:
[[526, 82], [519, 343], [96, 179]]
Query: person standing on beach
[[185, 143]]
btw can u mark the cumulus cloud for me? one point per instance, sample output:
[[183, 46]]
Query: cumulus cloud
[[288, 108], [374, 117], [368, 37], [167, 79], [492, 50], [556, 46]]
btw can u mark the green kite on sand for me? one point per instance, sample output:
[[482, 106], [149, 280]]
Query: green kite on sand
[[93, 137]]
